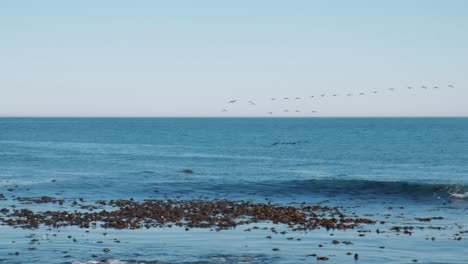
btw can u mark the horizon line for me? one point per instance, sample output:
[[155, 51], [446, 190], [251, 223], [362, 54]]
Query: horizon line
[[461, 116]]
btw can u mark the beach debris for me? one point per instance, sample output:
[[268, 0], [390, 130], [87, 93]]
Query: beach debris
[[43, 199], [428, 219], [222, 214]]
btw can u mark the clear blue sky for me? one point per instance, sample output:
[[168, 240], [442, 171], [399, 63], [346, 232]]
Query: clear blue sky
[[187, 58]]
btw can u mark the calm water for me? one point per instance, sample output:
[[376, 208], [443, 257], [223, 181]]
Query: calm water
[[367, 164]]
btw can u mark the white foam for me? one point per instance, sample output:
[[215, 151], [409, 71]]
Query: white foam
[[459, 195], [107, 261]]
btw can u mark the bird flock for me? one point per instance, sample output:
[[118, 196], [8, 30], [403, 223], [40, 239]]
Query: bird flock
[[310, 98]]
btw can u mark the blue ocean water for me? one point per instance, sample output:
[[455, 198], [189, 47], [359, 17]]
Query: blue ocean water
[[369, 164]]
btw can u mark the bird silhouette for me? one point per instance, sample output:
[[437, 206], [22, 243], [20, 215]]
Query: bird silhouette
[[270, 113], [232, 101], [285, 111], [311, 96], [272, 99], [297, 98], [297, 111], [323, 95], [349, 95], [375, 92], [436, 87], [409, 87], [451, 86], [286, 98], [361, 94], [224, 110], [424, 87], [391, 89]]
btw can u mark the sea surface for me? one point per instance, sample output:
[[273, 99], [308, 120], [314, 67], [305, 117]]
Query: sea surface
[[391, 169]]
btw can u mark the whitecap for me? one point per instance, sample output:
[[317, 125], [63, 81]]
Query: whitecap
[[459, 195], [107, 261]]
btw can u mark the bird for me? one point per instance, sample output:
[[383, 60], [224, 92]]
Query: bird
[[409, 87], [297, 98], [232, 101], [270, 113], [286, 98], [424, 87], [335, 95], [224, 110], [314, 112], [435, 87], [375, 92], [285, 111], [361, 94], [311, 96], [451, 86], [391, 89], [349, 95], [297, 111], [323, 95], [272, 99]]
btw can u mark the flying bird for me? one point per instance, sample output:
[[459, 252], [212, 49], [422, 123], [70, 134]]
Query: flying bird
[[349, 95], [424, 87], [270, 113], [286, 98], [272, 99], [311, 96], [297, 111], [297, 98], [361, 94], [323, 95], [391, 89], [232, 101], [285, 111], [224, 110], [451, 86], [435, 87], [375, 92]]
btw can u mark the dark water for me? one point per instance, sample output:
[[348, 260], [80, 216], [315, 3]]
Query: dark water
[[418, 163]]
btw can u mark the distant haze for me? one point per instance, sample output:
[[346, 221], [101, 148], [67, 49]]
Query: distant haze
[[189, 58]]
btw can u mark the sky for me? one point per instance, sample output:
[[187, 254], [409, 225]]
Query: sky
[[189, 58]]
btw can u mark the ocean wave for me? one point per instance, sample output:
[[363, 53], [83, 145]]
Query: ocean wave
[[458, 191], [337, 187], [225, 259], [112, 261]]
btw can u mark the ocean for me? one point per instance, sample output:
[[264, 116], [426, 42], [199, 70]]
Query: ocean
[[400, 172]]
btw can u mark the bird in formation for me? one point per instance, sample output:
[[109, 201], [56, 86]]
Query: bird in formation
[[333, 95]]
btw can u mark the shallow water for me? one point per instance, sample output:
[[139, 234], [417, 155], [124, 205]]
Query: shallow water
[[370, 166]]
